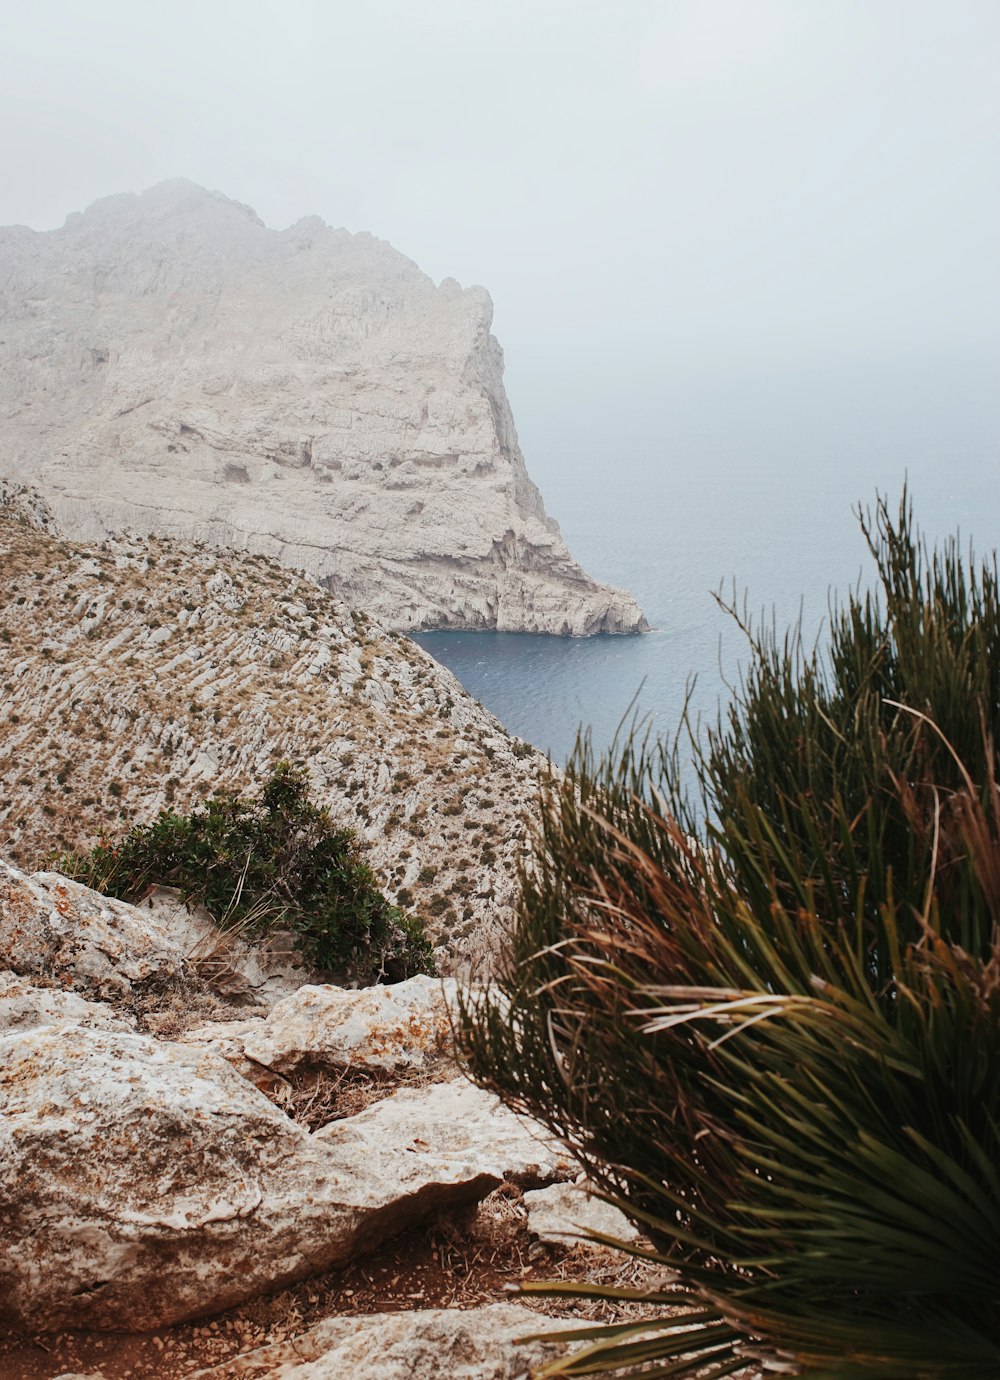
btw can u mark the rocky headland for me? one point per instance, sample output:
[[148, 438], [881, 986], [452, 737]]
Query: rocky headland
[[169, 365]]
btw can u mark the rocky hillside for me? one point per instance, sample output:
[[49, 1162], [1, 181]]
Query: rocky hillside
[[170, 365], [141, 673]]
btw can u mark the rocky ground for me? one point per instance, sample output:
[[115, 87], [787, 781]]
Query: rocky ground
[[137, 675], [301, 1185]]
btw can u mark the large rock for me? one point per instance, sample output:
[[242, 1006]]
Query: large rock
[[456, 1123], [143, 1182], [52, 927], [170, 365], [428, 1344], [394, 1029]]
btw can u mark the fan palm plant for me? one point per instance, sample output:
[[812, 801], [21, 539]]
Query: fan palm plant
[[768, 1020]]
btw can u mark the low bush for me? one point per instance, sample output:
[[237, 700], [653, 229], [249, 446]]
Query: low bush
[[766, 1012], [276, 861]]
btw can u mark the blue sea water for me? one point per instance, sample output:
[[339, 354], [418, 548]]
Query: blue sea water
[[785, 540]]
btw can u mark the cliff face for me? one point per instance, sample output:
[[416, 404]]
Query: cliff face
[[143, 673], [168, 364]]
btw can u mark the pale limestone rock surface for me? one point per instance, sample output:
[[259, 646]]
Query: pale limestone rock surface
[[427, 1344], [170, 1188], [564, 1214], [466, 1127], [24, 1006], [389, 1029], [225, 1038], [167, 1185], [170, 365], [26, 504], [55, 928]]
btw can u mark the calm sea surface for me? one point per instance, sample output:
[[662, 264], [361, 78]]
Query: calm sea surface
[[673, 535]]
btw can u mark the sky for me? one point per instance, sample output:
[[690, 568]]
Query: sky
[[711, 228]]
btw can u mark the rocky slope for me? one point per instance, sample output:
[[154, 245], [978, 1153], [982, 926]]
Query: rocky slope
[[315, 1172], [170, 365], [144, 673]]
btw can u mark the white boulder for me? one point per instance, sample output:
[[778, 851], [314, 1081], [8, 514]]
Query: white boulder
[[24, 1006], [388, 1029], [427, 1344], [145, 1182], [264, 970], [565, 1214], [467, 1130], [56, 928]]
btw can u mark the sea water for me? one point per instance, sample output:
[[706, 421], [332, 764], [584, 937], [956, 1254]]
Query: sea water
[[784, 540]]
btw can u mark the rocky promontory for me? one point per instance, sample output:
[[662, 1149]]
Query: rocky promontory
[[170, 365]]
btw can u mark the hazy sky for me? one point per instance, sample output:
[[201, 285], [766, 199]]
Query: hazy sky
[[705, 223]]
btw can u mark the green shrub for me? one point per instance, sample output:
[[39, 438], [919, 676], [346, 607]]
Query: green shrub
[[274, 861], [767, 1017]]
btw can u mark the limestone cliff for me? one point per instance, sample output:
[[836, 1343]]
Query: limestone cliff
[[170, 365]]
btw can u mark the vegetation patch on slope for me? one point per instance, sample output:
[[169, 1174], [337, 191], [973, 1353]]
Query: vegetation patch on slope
[[276, 860]]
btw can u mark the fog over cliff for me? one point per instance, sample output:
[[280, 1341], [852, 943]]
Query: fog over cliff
[[717, 233]]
